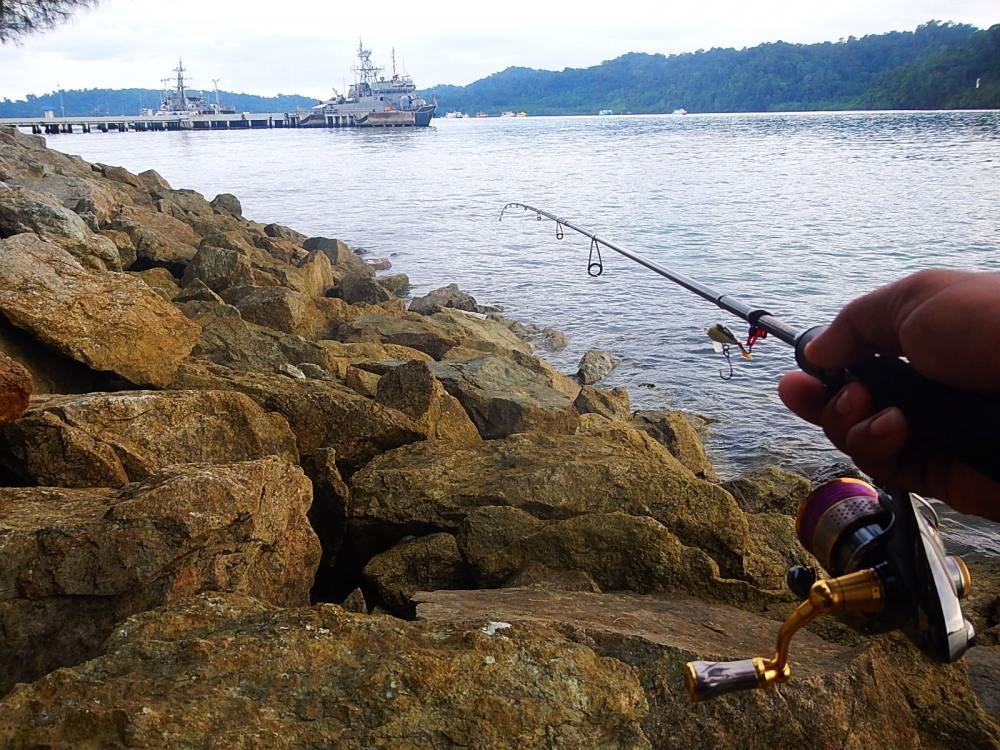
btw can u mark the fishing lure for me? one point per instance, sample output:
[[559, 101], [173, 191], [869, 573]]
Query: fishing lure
[[722, 339]]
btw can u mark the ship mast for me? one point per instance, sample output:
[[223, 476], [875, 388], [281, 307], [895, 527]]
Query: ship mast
[[180, 82], [366, 72]]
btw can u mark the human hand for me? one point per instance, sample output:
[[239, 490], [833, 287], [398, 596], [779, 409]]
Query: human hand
[[947, 324]]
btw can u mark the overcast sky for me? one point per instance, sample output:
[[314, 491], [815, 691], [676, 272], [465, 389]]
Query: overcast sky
[[307, 46]]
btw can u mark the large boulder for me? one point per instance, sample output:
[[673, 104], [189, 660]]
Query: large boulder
[[378, 358], [294, 312], [219, 268], [15, 389], [674, 430], [226, 671], [880, 694], [111, 439], [413, 390], [23, 210], [613, 403], [618, 550], [769, 489], [160, 280], [229, 340], [503, 397], [281, 232], [228, 203], [340, 255], [93, 202], [447, 296], [106, 321], [322, 414], [433, 486], [410, 330], [77, 561], [361, 288], [595, 364], [478, 332], [158, 239], [426, 564], [228, 259]]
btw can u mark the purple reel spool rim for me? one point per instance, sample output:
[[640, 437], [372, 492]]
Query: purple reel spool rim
[[824, 497]]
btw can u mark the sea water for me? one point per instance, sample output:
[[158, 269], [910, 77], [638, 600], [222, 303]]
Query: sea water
[[795, 213]]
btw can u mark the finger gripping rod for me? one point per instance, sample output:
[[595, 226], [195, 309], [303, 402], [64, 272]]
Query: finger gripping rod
[[945, 419]]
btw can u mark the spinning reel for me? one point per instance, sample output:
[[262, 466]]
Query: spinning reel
[[890, 572]]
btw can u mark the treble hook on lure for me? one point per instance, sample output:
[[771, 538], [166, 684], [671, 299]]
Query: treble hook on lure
[[722, 339]]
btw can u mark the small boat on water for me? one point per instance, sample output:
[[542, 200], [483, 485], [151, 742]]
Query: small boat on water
[[606, 112], [455, 115], [506, 114], [521, 114], [680, 111]]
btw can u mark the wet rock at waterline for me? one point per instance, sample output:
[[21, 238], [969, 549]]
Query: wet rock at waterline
[[595, 364], [613, 403], [447, 296]]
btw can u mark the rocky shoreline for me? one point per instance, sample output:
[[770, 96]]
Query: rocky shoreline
[[249, 499]]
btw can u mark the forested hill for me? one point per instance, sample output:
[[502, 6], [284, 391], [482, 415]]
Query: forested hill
[[883, 70], [946, 79], [130, 101]]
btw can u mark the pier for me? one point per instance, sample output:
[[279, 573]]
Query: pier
[[140, 123]]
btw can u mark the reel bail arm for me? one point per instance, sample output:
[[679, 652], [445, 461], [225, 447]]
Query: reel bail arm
[[859, 592]]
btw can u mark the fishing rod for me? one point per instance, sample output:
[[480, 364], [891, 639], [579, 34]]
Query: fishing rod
[[951, 421], [881, 545]]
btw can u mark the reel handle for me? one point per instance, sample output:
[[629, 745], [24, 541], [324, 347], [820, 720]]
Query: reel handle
[[962, 424], [710, 679]]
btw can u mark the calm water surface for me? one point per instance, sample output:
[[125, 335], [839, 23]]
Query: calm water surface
[[797, 213]]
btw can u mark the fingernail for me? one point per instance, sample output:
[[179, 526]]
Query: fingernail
[[843, 403], [888, 422]]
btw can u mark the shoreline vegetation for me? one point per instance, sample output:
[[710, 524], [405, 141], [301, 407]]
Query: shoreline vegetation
[[249, 498], [939, 65]]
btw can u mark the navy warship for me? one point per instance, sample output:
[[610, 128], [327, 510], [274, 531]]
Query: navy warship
[[373, 100]]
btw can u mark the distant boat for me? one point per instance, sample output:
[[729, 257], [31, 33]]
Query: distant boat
[[481, 114], [606, 112], [455, 115], [506, 114], [521, 114], [680, 111]]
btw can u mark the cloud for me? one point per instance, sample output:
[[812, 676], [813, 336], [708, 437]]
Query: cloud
[[308, 46]]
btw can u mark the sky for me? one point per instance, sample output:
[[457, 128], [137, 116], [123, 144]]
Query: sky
[[308, 46]]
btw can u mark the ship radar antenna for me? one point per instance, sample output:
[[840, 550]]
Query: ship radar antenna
[[218, 104]]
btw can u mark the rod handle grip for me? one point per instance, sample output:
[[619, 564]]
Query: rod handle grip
[[954, 422], [710, 679]]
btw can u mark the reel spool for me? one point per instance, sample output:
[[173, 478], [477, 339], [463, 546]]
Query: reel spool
[[890, 572]]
